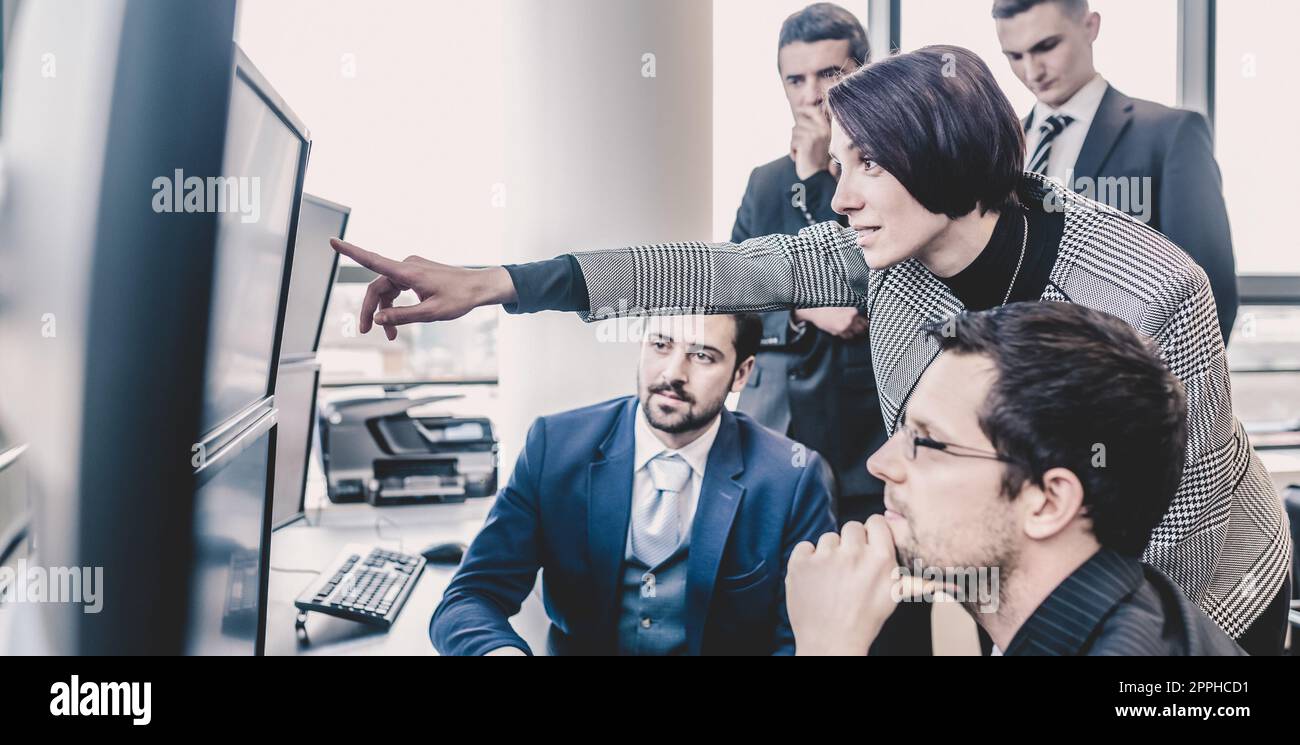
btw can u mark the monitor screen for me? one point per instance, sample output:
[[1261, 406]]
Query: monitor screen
[[15, 501], [226, 610], [263, 166], [314, 265], [295, 398]]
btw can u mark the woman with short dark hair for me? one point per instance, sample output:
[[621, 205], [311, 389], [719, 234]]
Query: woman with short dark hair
[[942, 219]]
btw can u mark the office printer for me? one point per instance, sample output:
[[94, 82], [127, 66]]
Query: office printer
[[373, 449]]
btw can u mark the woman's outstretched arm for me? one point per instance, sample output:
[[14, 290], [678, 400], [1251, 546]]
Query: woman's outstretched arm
[[818, 267]]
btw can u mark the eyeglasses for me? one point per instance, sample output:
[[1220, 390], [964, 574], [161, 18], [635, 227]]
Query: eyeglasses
[[915, 441]]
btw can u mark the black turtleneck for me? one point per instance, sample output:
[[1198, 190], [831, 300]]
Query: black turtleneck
[[983, 284]]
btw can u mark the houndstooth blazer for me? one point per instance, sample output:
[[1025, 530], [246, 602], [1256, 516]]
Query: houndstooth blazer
[[1225, 538]]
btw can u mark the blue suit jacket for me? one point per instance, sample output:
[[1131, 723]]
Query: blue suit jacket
[[566, 510]]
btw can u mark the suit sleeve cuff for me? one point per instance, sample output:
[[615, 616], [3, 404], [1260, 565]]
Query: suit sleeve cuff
[[553, 284], [480, 647]]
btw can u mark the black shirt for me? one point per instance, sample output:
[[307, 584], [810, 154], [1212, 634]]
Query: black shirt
[[983, 284], [553, 284], [1117, 605]]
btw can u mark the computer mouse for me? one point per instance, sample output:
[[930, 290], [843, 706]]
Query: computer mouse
[[444, 553]]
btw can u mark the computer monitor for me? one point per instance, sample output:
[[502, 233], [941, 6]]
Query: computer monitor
[[295, 399], [266, 151], [315, 265], [265, 163], [229, 575], [15, 498], [109, 393]]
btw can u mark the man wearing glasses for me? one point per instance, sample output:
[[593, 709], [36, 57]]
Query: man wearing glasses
[[1041, 448]]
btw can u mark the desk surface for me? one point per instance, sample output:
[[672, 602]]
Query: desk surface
[[309, 545]]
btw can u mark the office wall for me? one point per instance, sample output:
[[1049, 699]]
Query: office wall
[[751, 119], [605, 146]]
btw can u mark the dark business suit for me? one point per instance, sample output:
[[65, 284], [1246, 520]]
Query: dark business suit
[[1130, 137], [567, 508], [1115, 605], [817, 388]]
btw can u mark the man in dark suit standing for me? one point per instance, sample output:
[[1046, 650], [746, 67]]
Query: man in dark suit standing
[[1149, 160], [814, 380], [662, 522]]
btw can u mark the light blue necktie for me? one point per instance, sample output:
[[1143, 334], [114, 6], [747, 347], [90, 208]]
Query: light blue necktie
[[656, 525]]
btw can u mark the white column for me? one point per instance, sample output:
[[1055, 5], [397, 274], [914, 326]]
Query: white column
[[608, 143]]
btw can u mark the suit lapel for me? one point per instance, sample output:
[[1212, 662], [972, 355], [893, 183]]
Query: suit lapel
[[912, 299], [720, 497], [1113, 117], [609, 507]]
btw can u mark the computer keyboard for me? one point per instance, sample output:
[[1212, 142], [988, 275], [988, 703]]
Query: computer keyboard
[[366, 584]]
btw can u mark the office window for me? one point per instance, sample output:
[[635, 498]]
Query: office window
[[1137, 50], [1254, 121], [1265, 361], [464, 350], [405, 104]]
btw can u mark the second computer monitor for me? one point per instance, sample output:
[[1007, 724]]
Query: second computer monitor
[[295, 399], [315, 265]]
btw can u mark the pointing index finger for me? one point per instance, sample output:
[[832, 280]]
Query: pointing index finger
[[373, 261]]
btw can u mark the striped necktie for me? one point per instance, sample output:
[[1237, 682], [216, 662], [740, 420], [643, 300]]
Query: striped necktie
[[1050, 128]]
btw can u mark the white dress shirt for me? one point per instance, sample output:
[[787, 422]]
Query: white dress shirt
[[696, 455], [1082, 107]]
